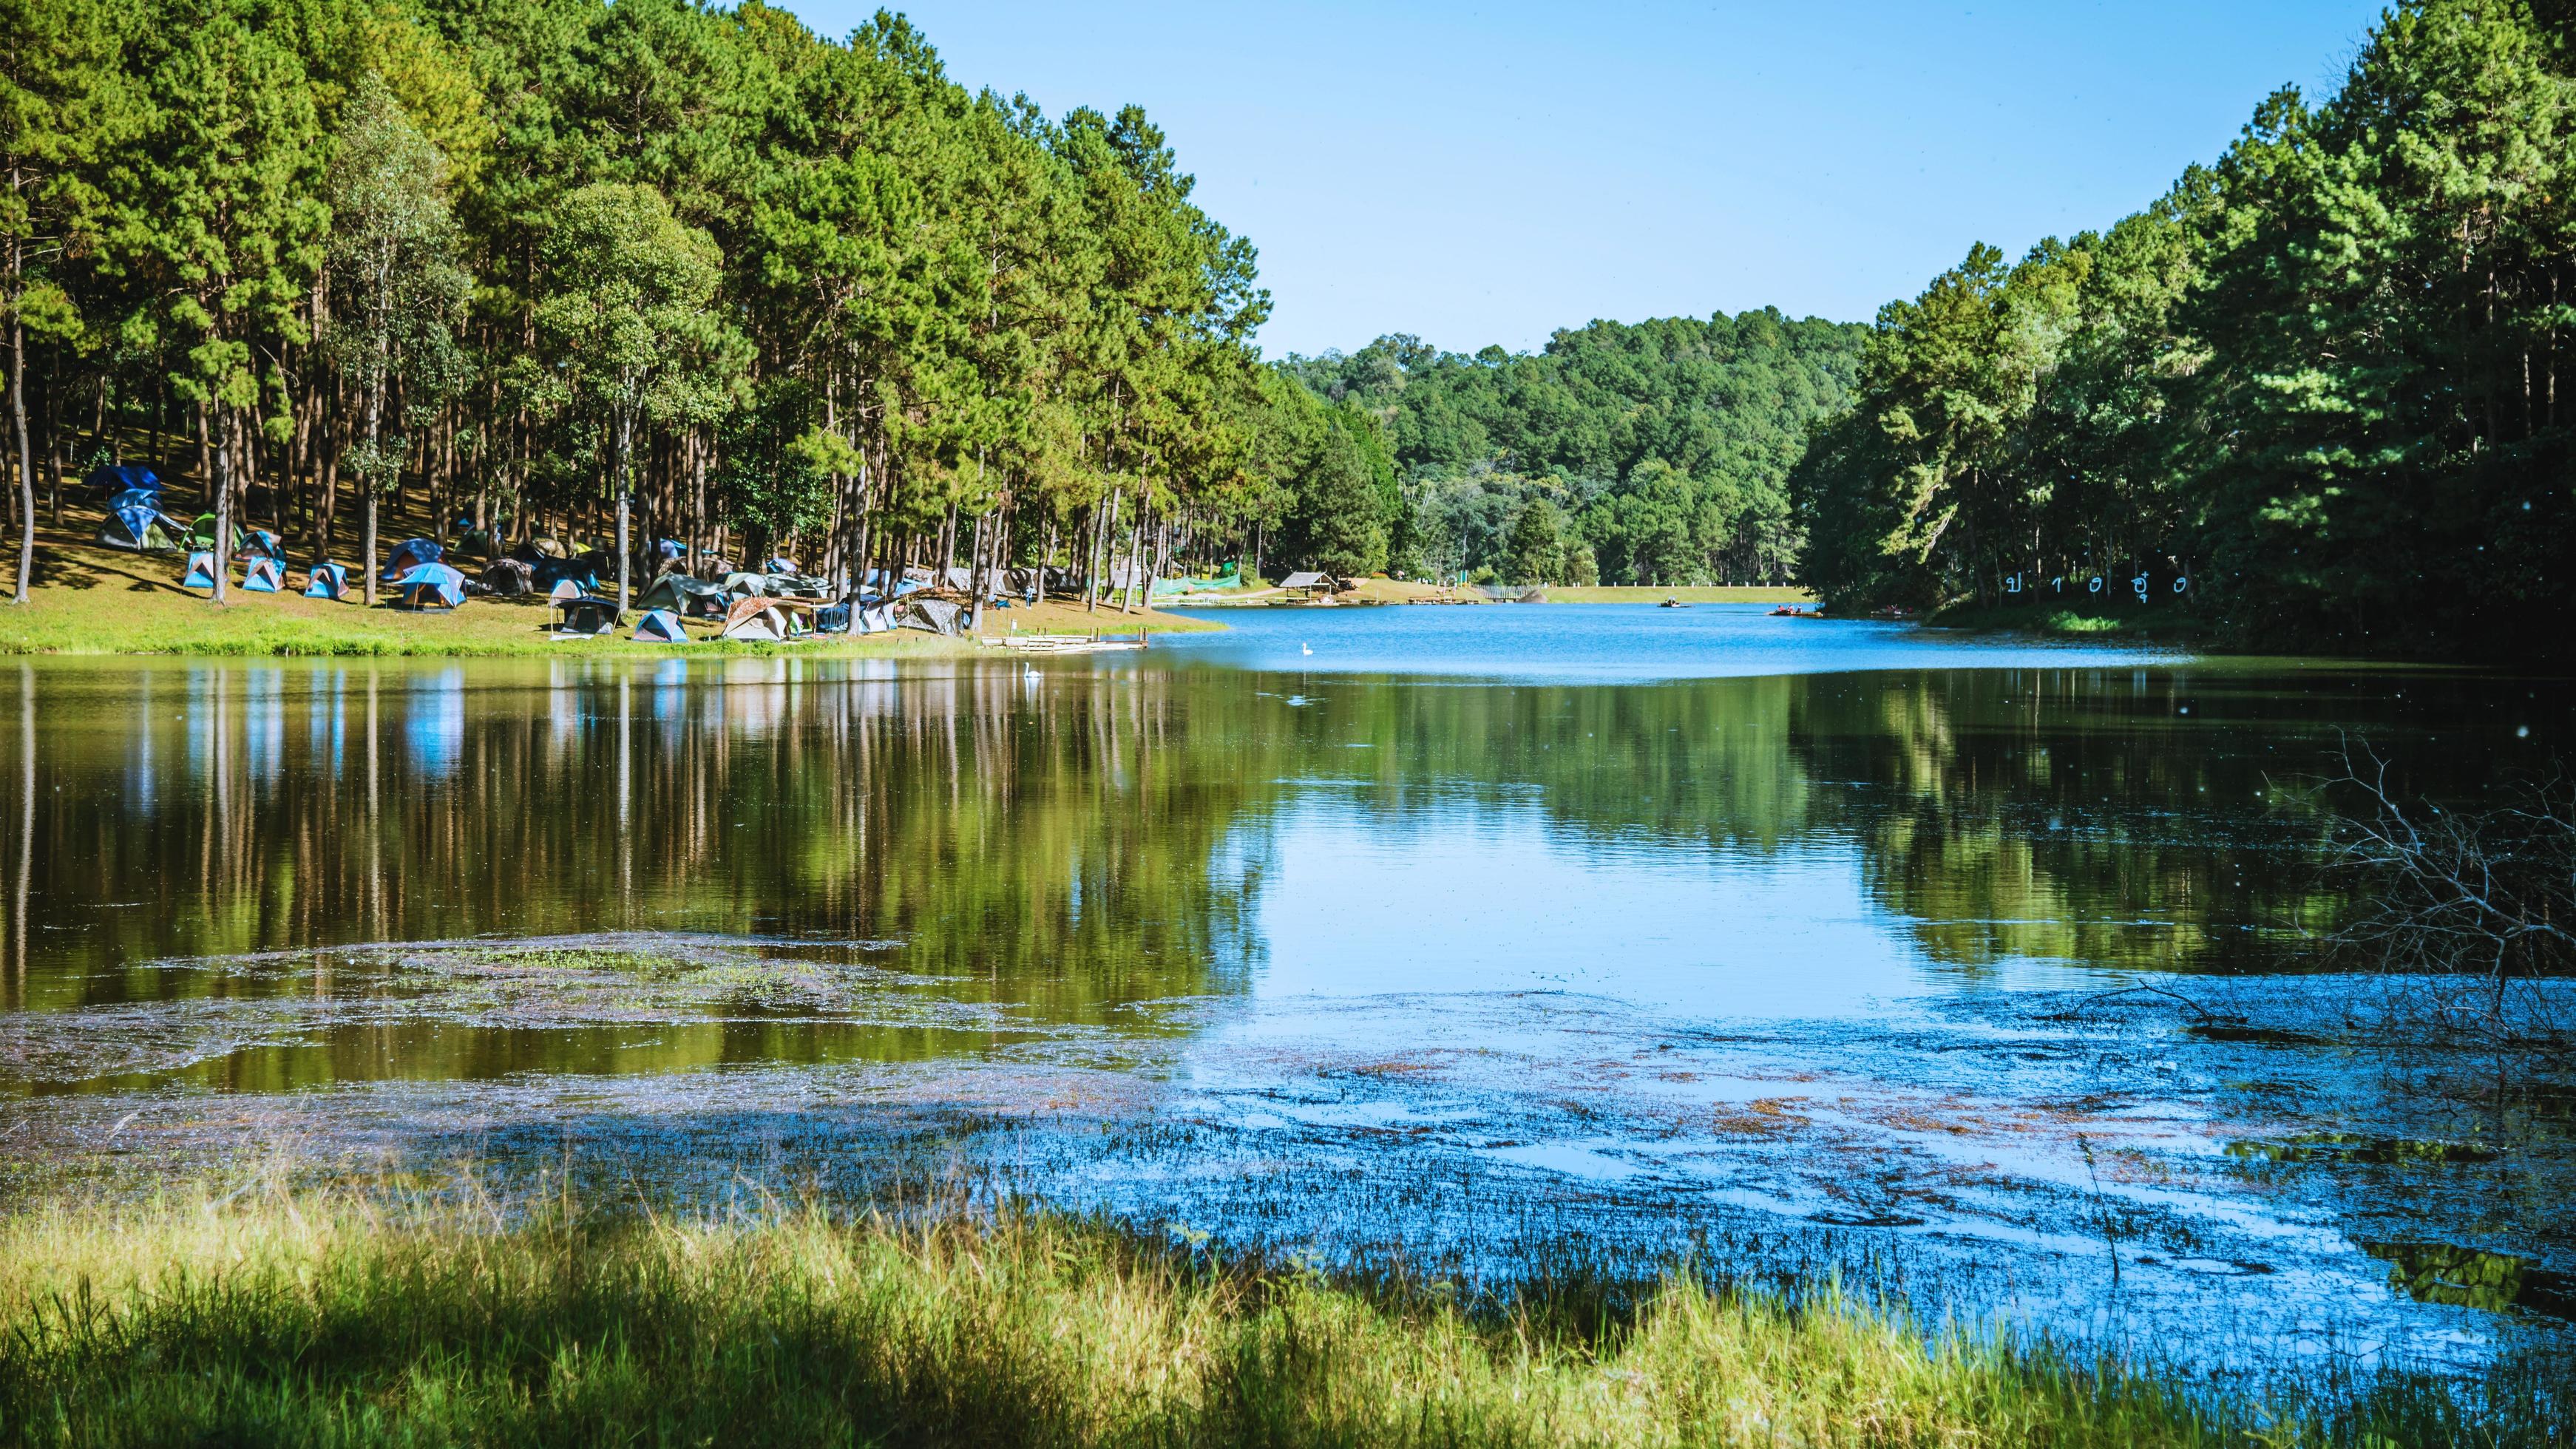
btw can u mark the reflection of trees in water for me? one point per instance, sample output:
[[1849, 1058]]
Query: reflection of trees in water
[[2064, 814], [2071, 814], [1056, 842], [1094, 838]]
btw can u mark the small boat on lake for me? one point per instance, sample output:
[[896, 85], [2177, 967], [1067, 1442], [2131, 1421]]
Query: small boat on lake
[[1672, 603], [1793, 611]]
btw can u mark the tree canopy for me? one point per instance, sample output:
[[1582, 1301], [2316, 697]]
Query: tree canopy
[[1663, 448], [2312, 391], [535, 261]]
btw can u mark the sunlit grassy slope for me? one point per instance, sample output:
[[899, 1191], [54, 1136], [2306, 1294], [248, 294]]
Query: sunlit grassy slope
[[95, 600]]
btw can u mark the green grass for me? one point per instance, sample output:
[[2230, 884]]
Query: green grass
[[275, 1318]]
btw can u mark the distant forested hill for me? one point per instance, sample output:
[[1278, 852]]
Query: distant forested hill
[[1654, 453]]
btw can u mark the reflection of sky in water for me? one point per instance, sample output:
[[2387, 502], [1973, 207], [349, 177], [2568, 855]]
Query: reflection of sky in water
[[434, 721], [1605, 643], [327, 720], [1466, 898], [264, 722]]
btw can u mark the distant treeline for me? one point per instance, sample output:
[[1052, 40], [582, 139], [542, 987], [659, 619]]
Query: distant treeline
[[1657, 453]]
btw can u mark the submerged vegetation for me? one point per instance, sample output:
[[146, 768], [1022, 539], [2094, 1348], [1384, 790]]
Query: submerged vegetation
[[271, 1316]]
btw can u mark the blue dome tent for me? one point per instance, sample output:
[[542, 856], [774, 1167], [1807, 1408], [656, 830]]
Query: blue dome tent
[[585, 614], [329, 581], [261, 575], [409, 555], [201, 570], [134, 521], [661, 626], [431, 586]]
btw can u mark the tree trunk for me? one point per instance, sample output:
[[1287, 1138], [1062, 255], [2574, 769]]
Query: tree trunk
[[1135, 557], [367, 481], [699, 446], [26, 461], [975, 578], [219, 428], [625, 438], [1102, 526]]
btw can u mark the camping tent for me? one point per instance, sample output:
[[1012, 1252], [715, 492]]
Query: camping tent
[[261, 541], [759, 620], [201, 534], [431, 586], [410, 555], [936, 615], [329, 581], [109, 481], [585, 614], [134, 521], [833, 618], [554, 573], [661, 626], [780, 565], [201, 570], [508, 578], [261, 575], [682, 594], [745, 585], [564, 589]]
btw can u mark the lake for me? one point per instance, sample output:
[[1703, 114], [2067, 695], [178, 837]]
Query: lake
[[1433, 935]]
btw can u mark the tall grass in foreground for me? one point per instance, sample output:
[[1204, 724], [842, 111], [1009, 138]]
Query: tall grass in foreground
[[334, 1320]]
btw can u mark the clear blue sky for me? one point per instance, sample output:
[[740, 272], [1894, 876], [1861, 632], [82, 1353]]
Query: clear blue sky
[[1487, 172]]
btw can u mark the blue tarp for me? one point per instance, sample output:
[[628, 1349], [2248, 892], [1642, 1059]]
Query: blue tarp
[[117, 479]]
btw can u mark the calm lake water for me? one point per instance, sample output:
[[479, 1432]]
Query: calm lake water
[[1787, 945]]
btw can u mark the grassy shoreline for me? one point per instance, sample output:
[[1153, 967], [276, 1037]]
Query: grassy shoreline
[[92, 600], [267, 1316]]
